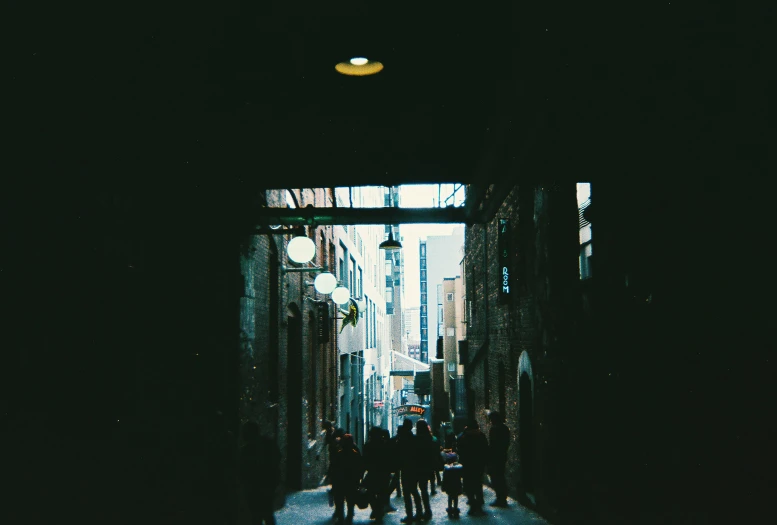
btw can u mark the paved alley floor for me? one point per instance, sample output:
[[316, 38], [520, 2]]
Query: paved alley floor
[[311, 507]]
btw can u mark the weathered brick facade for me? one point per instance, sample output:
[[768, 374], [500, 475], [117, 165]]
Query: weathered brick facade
[[532, 322], [615, 361], [288, 381]]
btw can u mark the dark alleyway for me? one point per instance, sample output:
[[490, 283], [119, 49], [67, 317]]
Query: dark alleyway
[[146, 306]]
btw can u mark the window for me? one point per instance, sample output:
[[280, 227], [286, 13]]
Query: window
[[374, 325], [423, 250], [423, 264], [388, 267], [367, 322], [389, 294], [423, 275], [352, 277], [449, 297], [450, 331], [359, 285], [423, 287], [585, 261], [343, 265], [586, 235]]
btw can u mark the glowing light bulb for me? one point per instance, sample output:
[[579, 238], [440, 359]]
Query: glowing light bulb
[[325, 283], [301, 249], [341, 295], [359, 61]]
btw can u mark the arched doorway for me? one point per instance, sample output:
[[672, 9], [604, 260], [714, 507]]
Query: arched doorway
[[294, 399], [526, 424]]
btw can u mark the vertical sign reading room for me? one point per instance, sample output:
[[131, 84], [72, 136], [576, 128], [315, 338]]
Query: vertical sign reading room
[[503, 245]]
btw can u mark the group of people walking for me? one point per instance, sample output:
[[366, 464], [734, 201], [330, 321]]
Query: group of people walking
[[410, 464]]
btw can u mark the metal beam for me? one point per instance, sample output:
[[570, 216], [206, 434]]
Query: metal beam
[[326, 216]]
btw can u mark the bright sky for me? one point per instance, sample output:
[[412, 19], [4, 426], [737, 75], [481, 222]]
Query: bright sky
[[421, 196]]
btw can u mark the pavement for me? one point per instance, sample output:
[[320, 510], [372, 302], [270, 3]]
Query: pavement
[[311, 507]]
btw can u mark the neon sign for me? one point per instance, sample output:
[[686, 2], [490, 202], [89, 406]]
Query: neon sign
[[503, 245], [411, 410]]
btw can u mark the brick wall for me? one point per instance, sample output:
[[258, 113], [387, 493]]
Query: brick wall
[[537, 321], [623, 364], [289, 398]]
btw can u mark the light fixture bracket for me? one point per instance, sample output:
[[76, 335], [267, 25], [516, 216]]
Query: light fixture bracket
[[304, 269]]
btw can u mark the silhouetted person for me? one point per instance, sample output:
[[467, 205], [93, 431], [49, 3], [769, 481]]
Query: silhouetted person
[[428, 457], [472, 447], [259, 473], [346, 473], [451, 481], [499, 442], [436, 479], [407, 449], [333, 436], [393, 463], [377, 463], [396, 478]]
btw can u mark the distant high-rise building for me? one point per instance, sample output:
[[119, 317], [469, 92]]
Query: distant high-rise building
[[413, 325], [439, 257], [394, 278]]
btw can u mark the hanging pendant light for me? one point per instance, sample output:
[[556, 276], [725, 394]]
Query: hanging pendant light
[[390, 243], [359, 67]]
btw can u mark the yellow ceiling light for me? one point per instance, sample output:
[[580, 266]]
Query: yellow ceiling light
[[359, 67]]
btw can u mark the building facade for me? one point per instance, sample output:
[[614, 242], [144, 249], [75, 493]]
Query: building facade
[[363, 349], [423, 316]]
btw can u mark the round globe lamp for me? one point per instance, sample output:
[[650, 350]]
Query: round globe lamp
[[325, 283], [341, 295], [301, 249]]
